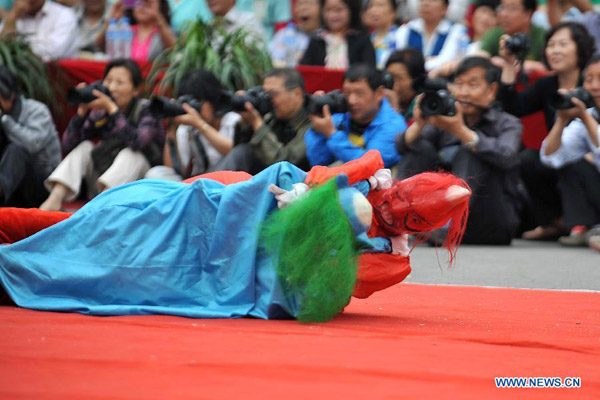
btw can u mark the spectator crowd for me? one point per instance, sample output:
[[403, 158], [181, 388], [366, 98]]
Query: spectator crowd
[[431, 84]]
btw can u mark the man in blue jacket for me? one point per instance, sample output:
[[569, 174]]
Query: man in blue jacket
[[370, 124]]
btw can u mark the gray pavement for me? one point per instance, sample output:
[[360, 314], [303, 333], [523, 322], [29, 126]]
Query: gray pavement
[[524, 264]]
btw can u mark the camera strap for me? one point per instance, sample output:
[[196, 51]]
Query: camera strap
[[200, 158]]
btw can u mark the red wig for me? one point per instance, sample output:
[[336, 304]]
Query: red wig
[[423, 203]]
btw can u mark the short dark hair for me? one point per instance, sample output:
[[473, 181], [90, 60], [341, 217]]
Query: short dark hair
[[355, 7], [583, 40], [411, 58], [128, 64], [530, 5], [493, 4], [595, 59], [203, 85], [8, 84], [393, 3], [291, 77], [360, 71], [491, 72], [164, 8]]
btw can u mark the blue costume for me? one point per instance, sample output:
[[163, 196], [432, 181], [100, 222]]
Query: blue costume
[[158, 247]]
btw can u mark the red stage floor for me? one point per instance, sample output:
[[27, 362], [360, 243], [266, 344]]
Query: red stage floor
[[411, 341]]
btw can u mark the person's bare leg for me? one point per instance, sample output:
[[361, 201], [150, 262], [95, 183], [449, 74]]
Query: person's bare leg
[[55, 200]]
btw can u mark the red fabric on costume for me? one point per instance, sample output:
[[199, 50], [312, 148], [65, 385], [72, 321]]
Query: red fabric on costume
[[357, 170], [378, 271], [224, 177], [19, 223]]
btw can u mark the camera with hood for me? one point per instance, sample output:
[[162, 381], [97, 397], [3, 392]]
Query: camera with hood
[[436, 100], [518, 44], [84, 95], [167, 108], [335, 100], [260, 100], [562, 101]]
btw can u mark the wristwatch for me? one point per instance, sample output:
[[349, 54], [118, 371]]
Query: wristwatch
[[473, 143]]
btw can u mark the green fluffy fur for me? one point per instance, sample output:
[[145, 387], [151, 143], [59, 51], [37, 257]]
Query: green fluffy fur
[[314, 253]]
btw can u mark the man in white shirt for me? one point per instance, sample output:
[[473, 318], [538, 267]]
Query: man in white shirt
[[231, 18], [50, 28]]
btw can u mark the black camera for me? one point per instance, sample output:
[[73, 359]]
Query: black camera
[[437, 100], [168, 108], [84, 95], [260, 100], [387, 79], [518, 44], [335, 100], [562, 101]]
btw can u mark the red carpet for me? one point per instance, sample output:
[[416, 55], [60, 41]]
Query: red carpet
[[411, 341]]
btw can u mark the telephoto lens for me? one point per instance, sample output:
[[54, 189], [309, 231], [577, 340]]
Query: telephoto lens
[[335, 100], [562, 101], [84, 95]]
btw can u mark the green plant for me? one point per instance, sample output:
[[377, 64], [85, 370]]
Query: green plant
[[30, 71], [236, 60]]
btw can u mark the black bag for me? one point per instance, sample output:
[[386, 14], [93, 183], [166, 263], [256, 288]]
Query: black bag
[[105, 152]]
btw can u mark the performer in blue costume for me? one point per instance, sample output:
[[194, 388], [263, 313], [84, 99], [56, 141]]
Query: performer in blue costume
[[195, 250]]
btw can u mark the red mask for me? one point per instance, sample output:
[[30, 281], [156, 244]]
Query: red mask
[[423, 203]]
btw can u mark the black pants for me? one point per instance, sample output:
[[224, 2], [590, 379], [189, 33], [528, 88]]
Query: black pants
[[543, 205], [240, 158], [493, 212], [579, 186], [21, 182]]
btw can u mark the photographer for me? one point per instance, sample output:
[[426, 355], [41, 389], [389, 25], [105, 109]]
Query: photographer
[[567, 50], [514, 16], [200, 138], [573, 148], [371, 123], [29, 146], [406, 66], [130, 138], [479, 144], [279, 134]]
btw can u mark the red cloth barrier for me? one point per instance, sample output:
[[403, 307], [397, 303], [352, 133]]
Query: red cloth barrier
[[316, 78], [20, 223], [409, 342]]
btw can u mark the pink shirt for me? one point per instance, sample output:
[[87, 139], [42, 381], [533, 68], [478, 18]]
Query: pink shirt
[[141, 50]]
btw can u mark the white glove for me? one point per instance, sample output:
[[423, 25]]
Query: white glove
[[400, 245], [284, 197], [381, 180]]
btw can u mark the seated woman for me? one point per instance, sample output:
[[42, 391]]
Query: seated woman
[[130, 139], [567, 50], [406, 66], [209, 250], [150, 24], [198, 140], [573, 147], [344, 41]]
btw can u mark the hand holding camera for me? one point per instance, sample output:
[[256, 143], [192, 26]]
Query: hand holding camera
[[514, 48], [191, 118], [94, 96], [453, 124], [251, 116], [323, 124], [571, 104]]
